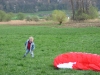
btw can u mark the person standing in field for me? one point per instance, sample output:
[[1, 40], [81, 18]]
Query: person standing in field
[[29, 46]]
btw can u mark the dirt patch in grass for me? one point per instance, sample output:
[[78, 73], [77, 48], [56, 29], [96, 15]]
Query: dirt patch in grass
[[82, 24], [87, 23], [51, 23], [19, 22]]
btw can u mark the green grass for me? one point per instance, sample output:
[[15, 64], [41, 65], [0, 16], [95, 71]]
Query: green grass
[[50, 42], [40, 14]]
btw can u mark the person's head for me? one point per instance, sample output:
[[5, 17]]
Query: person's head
[[31, 39]]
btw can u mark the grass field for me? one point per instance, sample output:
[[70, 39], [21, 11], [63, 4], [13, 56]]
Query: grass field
[[50, 42]]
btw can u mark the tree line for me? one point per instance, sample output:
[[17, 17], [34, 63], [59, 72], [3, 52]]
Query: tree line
[[84, 9], [81, 9], [32, 5], [41, 5]]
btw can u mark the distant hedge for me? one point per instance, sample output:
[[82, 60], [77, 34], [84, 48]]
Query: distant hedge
[[5, 16]]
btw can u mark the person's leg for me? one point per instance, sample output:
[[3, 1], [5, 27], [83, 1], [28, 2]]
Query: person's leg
[[27, 51], [32, 54]]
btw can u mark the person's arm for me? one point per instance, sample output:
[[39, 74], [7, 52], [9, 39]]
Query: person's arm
[[32, 46], [26, 44]]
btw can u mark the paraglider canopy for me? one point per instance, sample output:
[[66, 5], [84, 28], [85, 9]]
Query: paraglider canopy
[[78, 60]]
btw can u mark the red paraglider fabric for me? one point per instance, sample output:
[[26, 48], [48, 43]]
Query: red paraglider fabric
[[78, 60]]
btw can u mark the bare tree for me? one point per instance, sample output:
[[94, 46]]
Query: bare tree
[[73, 10], [83, 6], [48, 1]]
